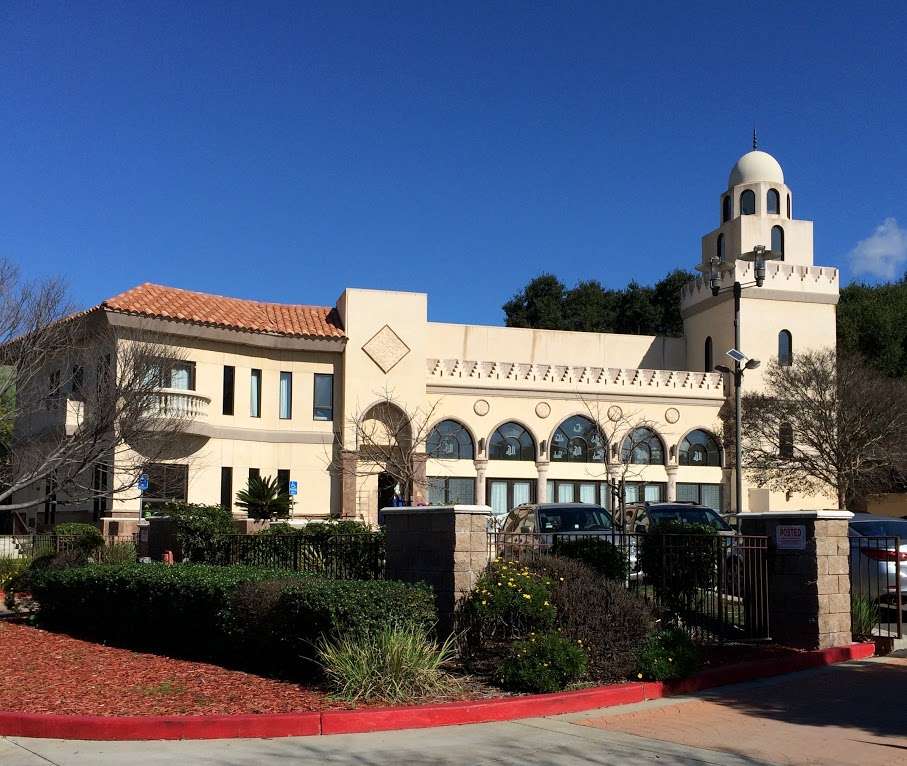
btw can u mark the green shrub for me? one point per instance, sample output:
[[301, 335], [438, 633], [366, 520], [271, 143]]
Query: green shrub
[[608, 620], [668, 654], [396, 664], [87, 537], [200, 530], [10, 568], [864, 616], [680, 561], [119, 553], [508, 601], [544, 663], [259, 617], [601, 555], [264, 498]]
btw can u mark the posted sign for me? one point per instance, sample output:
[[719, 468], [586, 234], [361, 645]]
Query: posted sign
[[294, 488], [791, 537]]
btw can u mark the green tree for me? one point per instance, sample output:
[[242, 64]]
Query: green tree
[[871, 323], [540, 304], [589, 307], [637, 309]]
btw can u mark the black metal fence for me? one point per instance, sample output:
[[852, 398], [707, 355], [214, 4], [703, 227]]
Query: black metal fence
[[34, 545], [339, 557], [714, 587], [878, 586]]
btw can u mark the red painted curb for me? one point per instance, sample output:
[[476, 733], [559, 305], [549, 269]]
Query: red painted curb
[[411, 717], [480, 711]]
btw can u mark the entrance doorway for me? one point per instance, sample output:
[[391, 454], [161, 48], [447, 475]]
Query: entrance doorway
[[386, 486]]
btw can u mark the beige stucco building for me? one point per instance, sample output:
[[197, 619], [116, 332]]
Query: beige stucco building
[[515, 414]]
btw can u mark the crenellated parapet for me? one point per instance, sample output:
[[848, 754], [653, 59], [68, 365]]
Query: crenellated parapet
[[554, 377]]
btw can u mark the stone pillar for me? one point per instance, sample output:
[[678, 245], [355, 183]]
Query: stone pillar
[[481, 465], [349, 465], [808, 575], [420, 479], [672, 482], [446, 547], [541, 488]]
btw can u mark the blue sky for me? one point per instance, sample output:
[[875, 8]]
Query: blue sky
[[284, 151]]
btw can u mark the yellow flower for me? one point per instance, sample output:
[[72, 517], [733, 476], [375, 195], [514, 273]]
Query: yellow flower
[[639, 675], [670, 660], [527, 596], [484, 602], [546, 604]]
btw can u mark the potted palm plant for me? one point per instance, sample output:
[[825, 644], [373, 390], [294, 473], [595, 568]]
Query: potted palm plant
[[264, 499]]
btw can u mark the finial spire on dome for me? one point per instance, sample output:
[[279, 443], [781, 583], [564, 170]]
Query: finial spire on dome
[[755, 143]]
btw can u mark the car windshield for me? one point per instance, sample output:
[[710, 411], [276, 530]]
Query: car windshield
[[881, 528], [589, 519], [688, 515]]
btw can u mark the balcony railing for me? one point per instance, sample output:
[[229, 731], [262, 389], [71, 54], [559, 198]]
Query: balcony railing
[[178, 403]]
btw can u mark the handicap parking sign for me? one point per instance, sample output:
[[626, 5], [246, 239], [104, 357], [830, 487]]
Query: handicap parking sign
[[143, 482], [293, 487]]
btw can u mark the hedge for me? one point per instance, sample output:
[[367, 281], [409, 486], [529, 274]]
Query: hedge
[[256, 617]]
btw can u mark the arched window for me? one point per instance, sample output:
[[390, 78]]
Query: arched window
[[709, 358], [786, 440], [778, 240], [719, 247], [449, 440], [578, 440], [788, 205], [699, 448], [773, 201], [785, 348], [643, 447], [726, 208], [748, 202], [511, 442]]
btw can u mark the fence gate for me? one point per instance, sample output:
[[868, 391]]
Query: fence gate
[[878, 581]]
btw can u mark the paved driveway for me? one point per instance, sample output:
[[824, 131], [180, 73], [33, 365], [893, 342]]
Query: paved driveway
[[852, 713]]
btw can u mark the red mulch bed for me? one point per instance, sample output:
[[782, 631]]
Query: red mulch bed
[[43, 672]]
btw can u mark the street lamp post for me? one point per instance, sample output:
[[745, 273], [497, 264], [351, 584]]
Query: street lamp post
[[758, 256]]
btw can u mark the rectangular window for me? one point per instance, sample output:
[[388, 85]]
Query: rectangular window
[[708, 495], [53, 389], [570, 491], [76, 382], [255, 394], [226, 488], [283, 480], [171, 373], [637, 492], [324, 396], [286, 395], [443, 490], [100, 484], [167, 483], [255, 473], [229, 388]]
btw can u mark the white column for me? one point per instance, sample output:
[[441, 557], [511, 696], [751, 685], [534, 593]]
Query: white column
[[672, 483], [541, 491], [481, 465]]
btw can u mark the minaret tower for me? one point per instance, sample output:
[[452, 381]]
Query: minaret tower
[[794, 309]]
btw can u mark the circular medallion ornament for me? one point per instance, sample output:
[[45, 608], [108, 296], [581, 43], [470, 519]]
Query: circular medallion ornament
[[543, 409], [672, 414], [481, 407], [615, 413]]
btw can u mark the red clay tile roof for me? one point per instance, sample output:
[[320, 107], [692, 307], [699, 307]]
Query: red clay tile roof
[[159, 302]]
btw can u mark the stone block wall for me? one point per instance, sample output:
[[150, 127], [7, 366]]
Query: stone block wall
[[808, 588], [445, 547]]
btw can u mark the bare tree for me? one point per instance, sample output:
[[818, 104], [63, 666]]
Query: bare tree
[[826, 425], [628, 438], [392, 439], [81, 408]]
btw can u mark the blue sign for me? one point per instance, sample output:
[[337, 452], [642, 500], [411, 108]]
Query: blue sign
[[143, 482], [292, 487]]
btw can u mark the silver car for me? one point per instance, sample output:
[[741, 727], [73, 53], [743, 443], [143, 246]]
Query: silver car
[[878, 557]]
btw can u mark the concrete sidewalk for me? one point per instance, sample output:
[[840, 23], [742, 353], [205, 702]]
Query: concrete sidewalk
[[845, 714]]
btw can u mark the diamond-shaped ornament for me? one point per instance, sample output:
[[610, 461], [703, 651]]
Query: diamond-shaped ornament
[[386, 349]]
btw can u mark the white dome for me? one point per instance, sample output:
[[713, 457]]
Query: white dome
[[756, 166]]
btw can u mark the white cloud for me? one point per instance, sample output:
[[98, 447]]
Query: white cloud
[[883, 254]]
